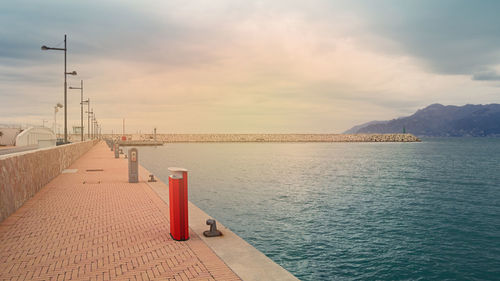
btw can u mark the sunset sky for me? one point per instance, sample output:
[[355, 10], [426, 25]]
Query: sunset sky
[[246, 66]]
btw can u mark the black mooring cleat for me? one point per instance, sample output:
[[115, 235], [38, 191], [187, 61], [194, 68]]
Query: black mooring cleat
[[213, 232], [152, 178]]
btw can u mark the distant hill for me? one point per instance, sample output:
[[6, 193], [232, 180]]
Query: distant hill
[[441, 121], [355, 129]]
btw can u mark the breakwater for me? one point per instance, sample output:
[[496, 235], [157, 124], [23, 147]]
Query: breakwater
[[172, 138]]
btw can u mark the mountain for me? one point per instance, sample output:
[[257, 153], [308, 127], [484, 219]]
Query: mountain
[[441, 121], [354, 129]]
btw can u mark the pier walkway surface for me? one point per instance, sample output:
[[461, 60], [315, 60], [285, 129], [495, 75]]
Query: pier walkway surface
[[89, 223]]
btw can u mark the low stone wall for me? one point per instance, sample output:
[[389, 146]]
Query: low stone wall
[[281, 137], [24, 174]]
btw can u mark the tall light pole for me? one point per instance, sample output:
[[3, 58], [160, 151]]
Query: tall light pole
[[56, 109], [93, 124], [87, 101], [45, 48], [90, 112], [81, 106], [88, 116], [95, 127]]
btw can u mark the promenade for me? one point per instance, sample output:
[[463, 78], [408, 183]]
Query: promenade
[[89, 223]]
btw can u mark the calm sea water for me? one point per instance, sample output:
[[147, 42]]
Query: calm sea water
[[353, 211]]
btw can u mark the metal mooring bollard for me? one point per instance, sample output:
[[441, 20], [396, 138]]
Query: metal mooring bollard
[[152, 178], [213, 232], [133, 165], [117, 155], [178, 198]]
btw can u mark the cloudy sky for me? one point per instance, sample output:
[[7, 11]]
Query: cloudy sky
[[210, 66]]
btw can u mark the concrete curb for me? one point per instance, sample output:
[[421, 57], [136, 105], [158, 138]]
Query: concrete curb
[[245, 260]]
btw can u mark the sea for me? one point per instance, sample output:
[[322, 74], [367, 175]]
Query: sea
[[353, 211]]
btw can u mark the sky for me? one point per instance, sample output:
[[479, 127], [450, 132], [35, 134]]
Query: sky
[[242, 66]]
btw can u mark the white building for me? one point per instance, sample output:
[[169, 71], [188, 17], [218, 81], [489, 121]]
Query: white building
[[41, 136]]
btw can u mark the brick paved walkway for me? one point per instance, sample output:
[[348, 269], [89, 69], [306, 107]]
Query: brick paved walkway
[[94, 225]]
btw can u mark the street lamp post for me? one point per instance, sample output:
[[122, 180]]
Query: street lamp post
[[88, 116], [93, 124], [45, 48], [95, 127], [90, 113], [87, 101], [56, 109], [81, 106]]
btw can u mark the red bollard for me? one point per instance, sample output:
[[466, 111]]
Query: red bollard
[[178, 198]]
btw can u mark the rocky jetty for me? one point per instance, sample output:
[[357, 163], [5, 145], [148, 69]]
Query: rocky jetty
[[171, 138]]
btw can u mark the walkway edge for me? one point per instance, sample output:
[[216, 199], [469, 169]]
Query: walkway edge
[[243, 259]]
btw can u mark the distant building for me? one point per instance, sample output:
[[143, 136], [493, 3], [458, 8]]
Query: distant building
[[77, 130], [41, 136]]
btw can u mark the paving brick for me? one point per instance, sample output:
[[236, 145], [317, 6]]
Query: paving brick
[[97, 226]]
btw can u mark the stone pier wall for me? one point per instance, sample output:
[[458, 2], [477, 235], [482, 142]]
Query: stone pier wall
[[23, 174]]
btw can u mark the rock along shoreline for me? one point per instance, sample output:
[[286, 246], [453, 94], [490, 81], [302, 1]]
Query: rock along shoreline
[[172, 138]]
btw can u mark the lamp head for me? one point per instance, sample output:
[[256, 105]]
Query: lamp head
[[44, 48], [72, 73]]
